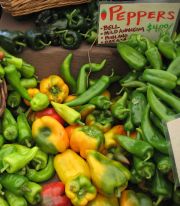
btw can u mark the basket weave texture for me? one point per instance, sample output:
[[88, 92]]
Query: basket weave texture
[[23, 7]]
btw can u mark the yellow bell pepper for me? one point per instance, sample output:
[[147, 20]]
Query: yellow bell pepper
[[50, 135], [101, 200], [109, 136], [69, 165], [86, 138], [74, 172], [55, 88]]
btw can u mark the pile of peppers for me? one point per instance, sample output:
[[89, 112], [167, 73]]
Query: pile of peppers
[[67, 140], [66, 27]]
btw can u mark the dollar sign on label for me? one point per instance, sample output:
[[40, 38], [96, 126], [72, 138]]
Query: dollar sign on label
[[149, 27]]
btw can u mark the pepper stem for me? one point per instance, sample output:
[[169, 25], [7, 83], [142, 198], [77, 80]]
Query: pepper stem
[[159, 200], [21, 43], [27, 143], [44, 44], [37, 167], [148, 156], [117, 192], [78, 121]]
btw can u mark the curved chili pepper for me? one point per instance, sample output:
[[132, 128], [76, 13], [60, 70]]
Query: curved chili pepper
[[174, 67], [150, 135], [96, 89], [136, 147], [82, 79], [65, 72], [133, 84]]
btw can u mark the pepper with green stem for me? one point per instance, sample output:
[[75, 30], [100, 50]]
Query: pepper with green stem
[[39, 102], [119, 108]]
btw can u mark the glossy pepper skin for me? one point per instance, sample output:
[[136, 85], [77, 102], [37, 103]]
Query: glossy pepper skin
[[174, 67], [86, 137], [33, 196], [41, 175], [12, 41], [161, 187], [39, 102], [163, 162], [131, 56], [69, 165], [80, 190], [101, 102], [119, 108], [166, 46], [102, 119], [152, 54], [136, 147], [85, 110], [53, 193], [36, 40], [150, 134], [19, 158], [50, 135], [24, 130], [13, 79], [164, 113], [14, 183], [9, 126], [13, 99], [55, 88], [103, 201], [102, 169], [65, 71], [160, 78], [109, 135], [3, 202], [96, 89], [70, 115], [15, 200], [169, 98], [84, 71]]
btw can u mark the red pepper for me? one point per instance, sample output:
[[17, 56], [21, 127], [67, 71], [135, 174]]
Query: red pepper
[[50, 112], [53, 194]]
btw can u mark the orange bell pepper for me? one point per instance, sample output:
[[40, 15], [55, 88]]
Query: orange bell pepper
[[32, 92]]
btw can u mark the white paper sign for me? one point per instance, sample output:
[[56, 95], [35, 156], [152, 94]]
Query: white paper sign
[[118, 20], [174, 137]]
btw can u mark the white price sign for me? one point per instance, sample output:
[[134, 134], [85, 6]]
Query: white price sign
[[118, 20]]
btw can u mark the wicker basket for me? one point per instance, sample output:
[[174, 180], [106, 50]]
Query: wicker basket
[[23, 7]]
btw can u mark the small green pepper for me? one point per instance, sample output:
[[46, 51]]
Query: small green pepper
[[29, 82], [101, 102], [41, 175], [9, 126], [119, 109], [39, 102], [14, 99], [15, 200], [33, 196]]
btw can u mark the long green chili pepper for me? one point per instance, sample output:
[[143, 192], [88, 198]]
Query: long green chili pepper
[[29, 82], [158, 107], [150, 135], [119, 108], [82, 79], [14, 80], [24, 130], [96, 89], [9, 126], [65, 72], [43, 174], [161, 187], [133, 84], [136, 147], [157, 122], [170, 99]]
